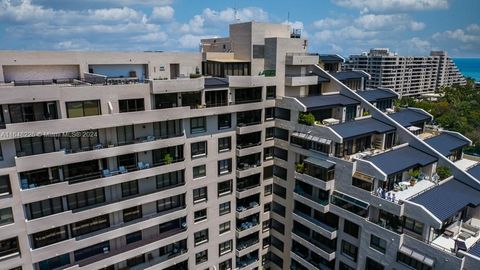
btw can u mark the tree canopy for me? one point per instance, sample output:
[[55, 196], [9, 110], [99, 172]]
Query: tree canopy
[[457, 109]]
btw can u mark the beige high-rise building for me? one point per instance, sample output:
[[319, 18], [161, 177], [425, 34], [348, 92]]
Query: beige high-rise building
[[407, 75], [248, 155]]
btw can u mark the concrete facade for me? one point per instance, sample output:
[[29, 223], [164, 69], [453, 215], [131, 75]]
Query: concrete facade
[[136, 172]]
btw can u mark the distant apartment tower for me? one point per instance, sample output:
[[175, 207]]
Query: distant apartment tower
[[407, 75]]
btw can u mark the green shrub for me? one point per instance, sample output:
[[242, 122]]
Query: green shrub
[[167, 159], [443, 172], [306, 118], [299, 167]]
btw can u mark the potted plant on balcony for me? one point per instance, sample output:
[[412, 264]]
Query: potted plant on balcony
[[300, 167], [167, 159], [306, 118], [110, 144], [414, 174]]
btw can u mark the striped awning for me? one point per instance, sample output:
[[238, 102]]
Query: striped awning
[[311, 137], [417, 256]]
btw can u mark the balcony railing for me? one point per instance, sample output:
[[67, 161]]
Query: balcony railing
[[302, 193], [241, 245], [244, 207]]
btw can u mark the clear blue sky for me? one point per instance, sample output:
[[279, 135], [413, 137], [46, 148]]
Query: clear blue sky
[[338, 26]]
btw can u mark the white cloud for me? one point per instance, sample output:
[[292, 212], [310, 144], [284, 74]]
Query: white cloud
[[394, 22], [115, 14], [329, 23], [195, 25], [155, 36], [228, 15], [190, 41], [418, 46], [392, 5], [473, 27], [164, 13]]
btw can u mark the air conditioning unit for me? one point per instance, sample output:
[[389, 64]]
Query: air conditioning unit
[[330, 121]]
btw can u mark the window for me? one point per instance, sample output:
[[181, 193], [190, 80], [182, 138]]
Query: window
[[200, 195], [269, 113], [131, 105], [129, 188], [278, 208], [413, 225], [269, 133], [280, 191], [343, 266], [133, 237], [225, 265], [198, 149], [224, 227], [170, 179], [351, 228], [199, 171], [198, 125], [90, 225], [271, 92], [225, 247], [224, 166], [201, 257], [90, 251], [200, 237], [224, 121], [85, 198], [72, 142], [83, 108], [5, 185], [125, 134], [50, 236], [132, 213], [224, 144], [171, 203], [224, 208], [268, 153], [29, 112], [55, 262], [266, 225], [1, 152], [373, 265], [411, 262], [6, 216], [135, 261], [349, 250], [267, 207], [224, 188], [267, 190], [9, 247], [35, 145], [378, 243], [44, 208], [200, 215]]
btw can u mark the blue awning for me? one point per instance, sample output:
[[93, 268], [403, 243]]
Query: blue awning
[[447, 199], [216, 83], [475, 172], [373, 95], [401, 159], [326, 101], [320, 162], [349, 74], [409, 117], [445, 143], [475, 249], [362, 127]]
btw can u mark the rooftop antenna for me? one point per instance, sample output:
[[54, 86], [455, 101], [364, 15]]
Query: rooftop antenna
[[235, 10]]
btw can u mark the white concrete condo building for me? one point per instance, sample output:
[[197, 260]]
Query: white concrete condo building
[[252, 154], [407, 75]]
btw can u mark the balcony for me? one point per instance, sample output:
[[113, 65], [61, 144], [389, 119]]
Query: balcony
[[250, 81], [247, 207], [247, 225], [249, 140], [249, 118], [320, 227], [315, 245], [177, 85], [247, 261], [299, 80], [248, 162], [301, 59]]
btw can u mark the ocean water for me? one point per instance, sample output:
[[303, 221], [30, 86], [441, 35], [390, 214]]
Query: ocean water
[[470, 67]]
